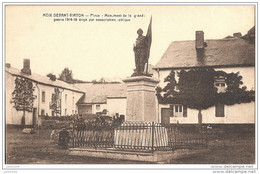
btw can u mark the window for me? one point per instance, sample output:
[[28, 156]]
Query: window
[[97, 107], [72, 102], [65, 111], [220, 84], [42, 112], [220, 110], [43, 96], [65, 98], [178, 110], [52, 113], [72, 111]]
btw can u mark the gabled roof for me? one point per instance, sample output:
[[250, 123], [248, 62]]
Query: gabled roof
[[43, 79], [92, 99], [100, 92], [218, 53]]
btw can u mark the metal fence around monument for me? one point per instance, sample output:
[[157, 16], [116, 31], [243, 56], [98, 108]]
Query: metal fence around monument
[[134, 136]]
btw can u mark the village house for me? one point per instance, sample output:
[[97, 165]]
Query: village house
[[232, 54], [44, 89], [107, 97]]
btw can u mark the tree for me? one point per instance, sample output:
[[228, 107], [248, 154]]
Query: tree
[[66, 76], [23, 96], [102, 80], [55, 104], [196, 89], [51, 76]]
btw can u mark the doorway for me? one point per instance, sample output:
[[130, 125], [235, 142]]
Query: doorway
[[165, 115], [34, 116]]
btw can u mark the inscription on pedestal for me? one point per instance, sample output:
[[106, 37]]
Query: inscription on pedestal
[[141, 99]]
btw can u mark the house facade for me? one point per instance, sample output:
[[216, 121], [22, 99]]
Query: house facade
[[231, 54], [103, 97], [44, 88]]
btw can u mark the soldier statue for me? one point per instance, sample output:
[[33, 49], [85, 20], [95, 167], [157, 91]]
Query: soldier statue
[[142, 51]]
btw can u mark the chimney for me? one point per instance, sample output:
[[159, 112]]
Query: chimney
[[7, 65], [237, 34], [26, 67], [251, 35], [199, 43]]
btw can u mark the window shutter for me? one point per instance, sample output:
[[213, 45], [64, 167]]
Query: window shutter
[[176, 108], [180, 108], [42, 112], [220, 110], [171, 110], [43, 96], [184, 110]]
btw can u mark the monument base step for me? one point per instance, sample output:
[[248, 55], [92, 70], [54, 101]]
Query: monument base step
[[160, 157]]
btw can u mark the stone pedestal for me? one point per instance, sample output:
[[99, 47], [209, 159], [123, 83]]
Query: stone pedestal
[[141, 99]]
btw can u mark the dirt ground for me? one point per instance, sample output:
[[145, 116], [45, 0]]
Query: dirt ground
[[229, 149], [39, 149]]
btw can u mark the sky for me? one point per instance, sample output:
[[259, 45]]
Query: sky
[[96, 49]]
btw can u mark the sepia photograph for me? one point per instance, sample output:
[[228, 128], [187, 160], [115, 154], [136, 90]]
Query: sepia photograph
[[168, 85]]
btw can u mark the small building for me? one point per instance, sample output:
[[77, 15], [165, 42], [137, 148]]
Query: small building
[[109, 97], [231, 54], [44, 89]]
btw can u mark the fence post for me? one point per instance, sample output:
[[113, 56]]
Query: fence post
[[152, 136], [113, 135], [73, 137], [206, 131]]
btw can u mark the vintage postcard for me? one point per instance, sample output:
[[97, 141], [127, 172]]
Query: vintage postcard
[[154, 85]]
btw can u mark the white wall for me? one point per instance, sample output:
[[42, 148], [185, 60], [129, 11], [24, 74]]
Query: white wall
[[102, 107], [117, 105], [238, 113], [91, 108], [85, 109], [69, 104], [11, 114], [113, 105], [14, 117], [235, 114], [49, 90], [46, 104]]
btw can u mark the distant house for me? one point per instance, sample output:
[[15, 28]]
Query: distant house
[[231, 54], [102, 97], [44, 89]]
